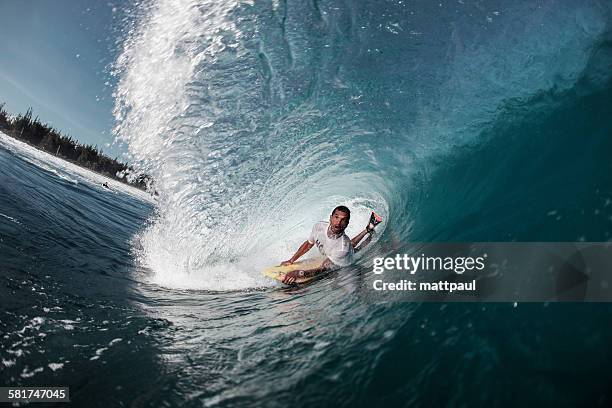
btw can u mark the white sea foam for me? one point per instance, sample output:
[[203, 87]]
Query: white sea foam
[[55, 366], [231, 200]]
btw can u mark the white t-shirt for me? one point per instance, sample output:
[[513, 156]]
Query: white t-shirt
[[338, 250]]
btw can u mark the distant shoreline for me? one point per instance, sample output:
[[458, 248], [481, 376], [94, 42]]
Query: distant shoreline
[[43, 159], [45, 138]]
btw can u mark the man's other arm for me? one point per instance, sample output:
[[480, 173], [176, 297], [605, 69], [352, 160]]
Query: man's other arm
[[359, 237], [305, 247]]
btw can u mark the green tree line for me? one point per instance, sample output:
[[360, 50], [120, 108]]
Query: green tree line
[[48, 139]]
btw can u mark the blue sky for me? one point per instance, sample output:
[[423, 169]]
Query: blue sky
[[54, 56]]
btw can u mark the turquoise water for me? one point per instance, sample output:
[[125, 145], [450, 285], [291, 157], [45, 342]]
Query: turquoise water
[[456, 121]]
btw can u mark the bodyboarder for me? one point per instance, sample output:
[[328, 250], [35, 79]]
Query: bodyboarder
[[332, 242]]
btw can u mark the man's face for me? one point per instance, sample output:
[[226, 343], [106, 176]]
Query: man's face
[[338, 222]]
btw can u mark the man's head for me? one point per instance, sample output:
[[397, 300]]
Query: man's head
[[339, 219]]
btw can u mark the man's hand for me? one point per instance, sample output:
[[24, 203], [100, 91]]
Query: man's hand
[[375, 219], [292, 276], [287, 262]]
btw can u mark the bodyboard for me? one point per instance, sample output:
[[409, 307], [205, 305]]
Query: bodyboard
[[278, 272]]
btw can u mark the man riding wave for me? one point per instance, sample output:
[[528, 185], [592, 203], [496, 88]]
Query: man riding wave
[[332, 242]]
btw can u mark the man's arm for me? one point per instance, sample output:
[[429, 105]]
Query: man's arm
[[364, 243], [359, 237], [369, 229], [305, 247], [292, 276]]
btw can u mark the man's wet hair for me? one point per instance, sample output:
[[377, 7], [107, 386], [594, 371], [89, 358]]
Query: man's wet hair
[[343, 209]]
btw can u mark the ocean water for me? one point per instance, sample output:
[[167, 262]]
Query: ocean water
[[460, 121]]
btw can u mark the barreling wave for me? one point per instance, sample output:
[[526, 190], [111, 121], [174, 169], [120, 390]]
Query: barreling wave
[[257, 118]]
